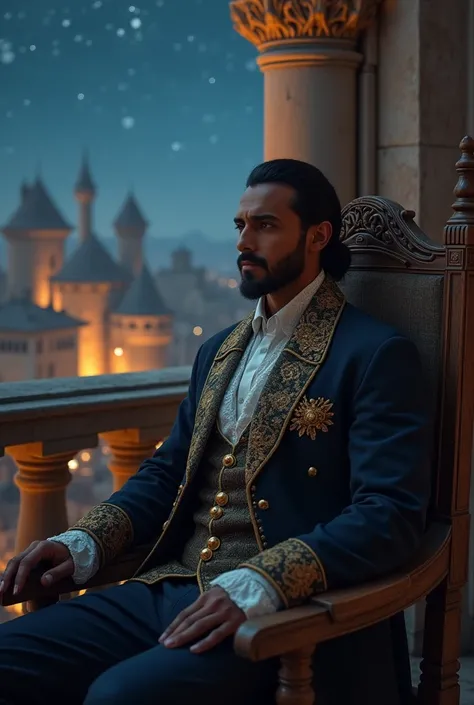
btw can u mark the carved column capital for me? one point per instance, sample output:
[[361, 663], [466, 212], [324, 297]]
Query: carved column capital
[[266, 21]]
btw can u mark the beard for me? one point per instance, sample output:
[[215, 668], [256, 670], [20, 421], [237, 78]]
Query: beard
[[284, 272]]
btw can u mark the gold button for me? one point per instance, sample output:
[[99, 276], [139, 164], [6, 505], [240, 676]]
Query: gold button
[[312, 472], [213, 543], [206, 554], [228, 461], [165, 525], [216, 512], [263, 504], [222, 498]]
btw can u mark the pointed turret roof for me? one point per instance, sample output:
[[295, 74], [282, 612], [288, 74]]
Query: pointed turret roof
[[84, 183], [130, 216], [91, 262], [142, 298], [22, 315], [37, 211]]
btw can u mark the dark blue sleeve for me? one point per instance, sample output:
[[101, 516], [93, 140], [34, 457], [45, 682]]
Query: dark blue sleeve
[[134, 515], [390, 487]]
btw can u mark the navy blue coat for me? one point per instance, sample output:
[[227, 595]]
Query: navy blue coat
[[338, 448]]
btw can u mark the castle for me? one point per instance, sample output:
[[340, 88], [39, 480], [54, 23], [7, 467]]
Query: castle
[[88, 314]]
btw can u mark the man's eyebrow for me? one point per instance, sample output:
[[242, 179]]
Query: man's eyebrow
[[259, 217]]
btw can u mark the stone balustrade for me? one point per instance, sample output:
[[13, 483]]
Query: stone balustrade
[[45, 423]]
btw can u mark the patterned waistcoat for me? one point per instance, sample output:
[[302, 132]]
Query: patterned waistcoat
[[223, 534]]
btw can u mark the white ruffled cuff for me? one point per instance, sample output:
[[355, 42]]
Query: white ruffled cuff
[[84, 552], [250, 591]]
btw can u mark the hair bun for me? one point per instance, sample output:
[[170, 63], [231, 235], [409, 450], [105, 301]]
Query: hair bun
[[336, 259]]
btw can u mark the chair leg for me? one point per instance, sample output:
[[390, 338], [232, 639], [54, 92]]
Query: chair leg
[[296, 678], [439, 684]]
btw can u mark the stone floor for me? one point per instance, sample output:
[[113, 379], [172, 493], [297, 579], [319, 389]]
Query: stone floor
[[466, 678]]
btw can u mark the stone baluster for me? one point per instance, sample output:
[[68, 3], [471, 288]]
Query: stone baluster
[[128, 449], [42, 480]]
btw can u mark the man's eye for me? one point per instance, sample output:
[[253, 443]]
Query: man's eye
[[265, 226]]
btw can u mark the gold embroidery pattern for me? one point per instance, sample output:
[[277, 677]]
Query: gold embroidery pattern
[[224, 365], [294, 570], [237, 338], [292, 374], [312, 415], [110, 526]]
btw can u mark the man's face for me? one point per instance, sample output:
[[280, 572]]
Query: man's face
[[271, 242]]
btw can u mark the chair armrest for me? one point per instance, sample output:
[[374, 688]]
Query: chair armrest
[[339, 612], [122, 568]]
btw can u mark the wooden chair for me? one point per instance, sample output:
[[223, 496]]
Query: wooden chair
[[427, 291]]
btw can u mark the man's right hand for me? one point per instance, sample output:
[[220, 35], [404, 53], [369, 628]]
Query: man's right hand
[[19, 568]]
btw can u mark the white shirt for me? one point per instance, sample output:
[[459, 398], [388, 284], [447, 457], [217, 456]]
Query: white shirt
[[248, 589]]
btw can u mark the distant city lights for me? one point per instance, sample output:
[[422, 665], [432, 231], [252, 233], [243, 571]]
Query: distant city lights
[[118, 352], [197, 330], [232, 284]]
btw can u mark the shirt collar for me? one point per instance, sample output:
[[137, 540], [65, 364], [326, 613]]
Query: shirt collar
[[286, 318]]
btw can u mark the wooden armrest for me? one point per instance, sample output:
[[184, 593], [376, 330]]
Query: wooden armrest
[[339, 612], [122, 568]]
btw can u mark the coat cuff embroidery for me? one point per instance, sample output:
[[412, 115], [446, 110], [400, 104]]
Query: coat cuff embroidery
[[111, 528], [293, 568]]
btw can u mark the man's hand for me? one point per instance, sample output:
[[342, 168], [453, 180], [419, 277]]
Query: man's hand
[[19, 567], [213, 614]]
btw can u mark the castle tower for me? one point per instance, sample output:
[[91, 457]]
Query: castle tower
[[85, 192], [141, 328], [35, 235], [85, 287], [130, 227], [181, 260]]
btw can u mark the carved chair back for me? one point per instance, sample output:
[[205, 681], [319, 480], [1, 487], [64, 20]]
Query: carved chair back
[[426, 291]]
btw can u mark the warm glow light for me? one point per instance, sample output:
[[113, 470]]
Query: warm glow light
[[118, 352], [232, 284], [197, 330], [158, 445], [85, 456], [73, 464]]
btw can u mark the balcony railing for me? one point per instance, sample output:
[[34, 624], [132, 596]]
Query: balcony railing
[[45, 423]]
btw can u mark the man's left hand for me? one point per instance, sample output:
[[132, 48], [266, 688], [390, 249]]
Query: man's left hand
[[213, 614]]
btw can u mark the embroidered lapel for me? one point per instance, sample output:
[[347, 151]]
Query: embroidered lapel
[[292, 374], [223, 367]]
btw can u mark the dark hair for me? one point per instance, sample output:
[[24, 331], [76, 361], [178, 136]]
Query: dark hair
[[316, 201]]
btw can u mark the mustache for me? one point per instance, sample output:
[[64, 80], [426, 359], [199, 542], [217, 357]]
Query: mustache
[[251, 258]]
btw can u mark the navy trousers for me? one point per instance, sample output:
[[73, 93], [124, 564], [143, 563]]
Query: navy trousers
[[102, 648]]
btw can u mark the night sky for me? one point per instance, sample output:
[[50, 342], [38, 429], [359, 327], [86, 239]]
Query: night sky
[[164, 94]]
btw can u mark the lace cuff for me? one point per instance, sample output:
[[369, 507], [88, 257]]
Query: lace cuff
[[250, 591], [84, 553]]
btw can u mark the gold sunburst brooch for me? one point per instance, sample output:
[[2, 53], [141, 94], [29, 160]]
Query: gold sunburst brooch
[[312, 415]]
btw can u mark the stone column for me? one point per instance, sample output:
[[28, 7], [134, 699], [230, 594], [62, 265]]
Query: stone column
[[309, 58], [42, 481], [129, 448], [422, 105]]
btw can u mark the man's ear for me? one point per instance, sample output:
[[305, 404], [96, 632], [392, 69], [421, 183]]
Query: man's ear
[[319, 236]]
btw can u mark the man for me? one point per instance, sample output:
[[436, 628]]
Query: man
[[297, 463]]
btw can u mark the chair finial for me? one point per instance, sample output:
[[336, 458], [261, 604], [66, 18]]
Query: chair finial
[[463, 206]]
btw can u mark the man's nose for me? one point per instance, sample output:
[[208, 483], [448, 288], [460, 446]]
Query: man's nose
[[245, 241]]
